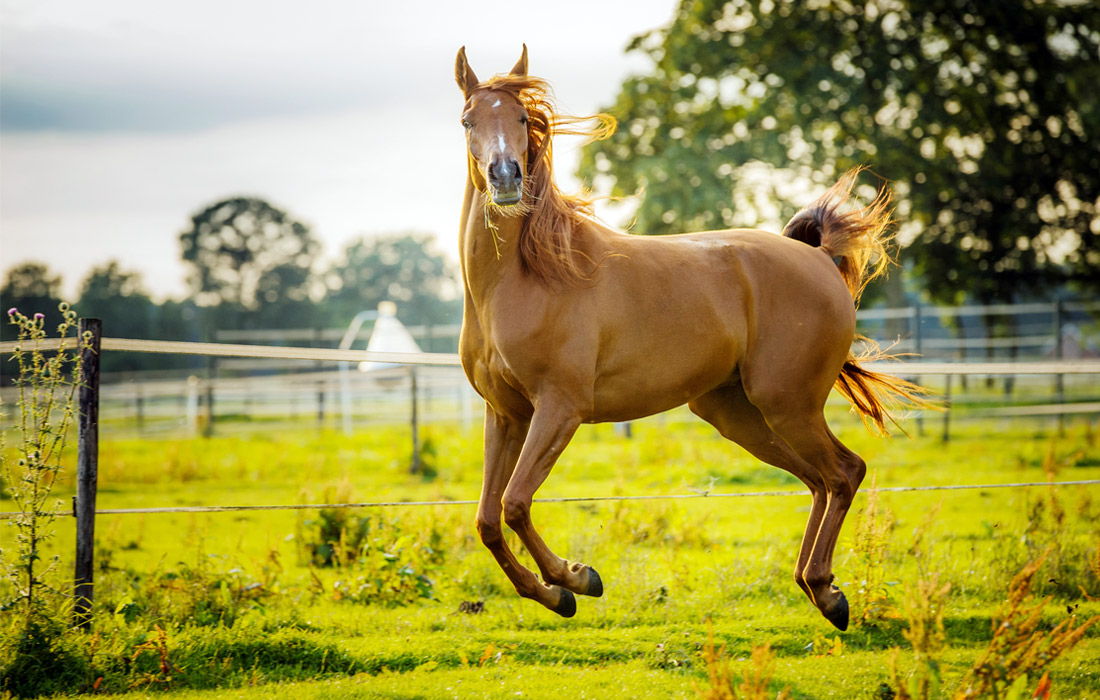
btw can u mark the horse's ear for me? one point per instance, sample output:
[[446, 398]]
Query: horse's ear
[[521, 65], [464, 75]]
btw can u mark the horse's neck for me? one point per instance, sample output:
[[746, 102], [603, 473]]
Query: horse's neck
[[488, 245]]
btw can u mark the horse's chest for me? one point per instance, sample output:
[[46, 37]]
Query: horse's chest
[[492, 377]]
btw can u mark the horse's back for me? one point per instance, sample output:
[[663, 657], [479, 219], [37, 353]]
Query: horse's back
[[683, 314]]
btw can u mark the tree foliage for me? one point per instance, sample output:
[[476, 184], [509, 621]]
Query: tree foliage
[[31, 288], [984, 117], [403, 268], [246, 253]]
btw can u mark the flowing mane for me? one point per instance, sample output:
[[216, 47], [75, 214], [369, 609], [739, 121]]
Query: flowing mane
[[550, 216]]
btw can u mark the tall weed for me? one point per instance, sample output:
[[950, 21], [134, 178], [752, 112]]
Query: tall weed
[[36, 654], [872, 603], [1020, 647], [755, 678]]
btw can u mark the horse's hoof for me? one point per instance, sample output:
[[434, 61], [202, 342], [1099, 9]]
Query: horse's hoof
[[838, 612], [595, 584], [567, 604]]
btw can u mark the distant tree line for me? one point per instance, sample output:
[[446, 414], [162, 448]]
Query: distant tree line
[[250, 265]]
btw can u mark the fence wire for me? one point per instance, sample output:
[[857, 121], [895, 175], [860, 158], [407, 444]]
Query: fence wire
[[563, 499]]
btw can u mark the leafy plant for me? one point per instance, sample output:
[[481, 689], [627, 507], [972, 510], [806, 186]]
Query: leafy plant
[[378, 561], [1019, 648]]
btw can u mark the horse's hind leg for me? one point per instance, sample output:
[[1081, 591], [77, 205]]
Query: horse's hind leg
[[842, 471], [800, 443], [729, 410]]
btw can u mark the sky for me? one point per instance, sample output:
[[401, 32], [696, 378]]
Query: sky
[[119, 119]]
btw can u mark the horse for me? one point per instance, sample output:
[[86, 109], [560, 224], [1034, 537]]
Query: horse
[[568, 321]]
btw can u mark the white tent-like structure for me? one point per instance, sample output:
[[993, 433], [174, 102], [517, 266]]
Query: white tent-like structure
[[388, 335]]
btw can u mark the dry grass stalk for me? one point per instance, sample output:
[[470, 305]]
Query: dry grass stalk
[[755, 679], [1019, 646]]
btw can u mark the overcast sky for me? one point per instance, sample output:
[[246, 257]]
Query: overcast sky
[[121, 118]]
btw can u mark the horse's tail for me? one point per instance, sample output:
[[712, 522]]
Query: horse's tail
[[856, 241]]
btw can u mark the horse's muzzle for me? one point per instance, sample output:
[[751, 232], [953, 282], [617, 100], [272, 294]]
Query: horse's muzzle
[[505, 181]]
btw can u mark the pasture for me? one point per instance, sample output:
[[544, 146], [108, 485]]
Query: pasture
[[404, 602]]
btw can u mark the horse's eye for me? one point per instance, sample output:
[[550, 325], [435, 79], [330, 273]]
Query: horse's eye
[[523, 120], [466, 125]]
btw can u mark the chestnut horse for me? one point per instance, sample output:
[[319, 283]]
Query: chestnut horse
[[567, 322]]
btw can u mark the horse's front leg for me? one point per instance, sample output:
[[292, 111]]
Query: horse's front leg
[[504, 439], [552, 426]]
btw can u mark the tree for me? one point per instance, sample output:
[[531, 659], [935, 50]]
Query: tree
[[31, 288], [984, 116], [119, 298], [405, 269], [247, 255]]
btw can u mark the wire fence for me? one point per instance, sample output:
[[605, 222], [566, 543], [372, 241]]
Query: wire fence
[[561, 499]]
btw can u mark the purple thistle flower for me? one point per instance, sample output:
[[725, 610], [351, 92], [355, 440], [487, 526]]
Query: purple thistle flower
[[12, 311], [39, 316]]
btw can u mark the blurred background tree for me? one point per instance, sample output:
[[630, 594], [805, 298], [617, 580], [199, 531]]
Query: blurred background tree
[[404, 268], [33, 289], [111, 292], [983, 117], [251, 263]]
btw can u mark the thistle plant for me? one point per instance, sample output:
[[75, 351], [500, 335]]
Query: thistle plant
[[47, 377]]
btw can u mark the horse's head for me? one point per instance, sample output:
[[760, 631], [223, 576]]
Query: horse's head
[[496, 133]]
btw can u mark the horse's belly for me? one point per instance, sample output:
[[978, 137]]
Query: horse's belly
[[661, 382]]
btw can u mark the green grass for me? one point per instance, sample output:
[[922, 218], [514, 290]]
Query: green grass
[[243, 616]]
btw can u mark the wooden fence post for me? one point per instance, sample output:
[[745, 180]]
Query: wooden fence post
[[1059, 354], [947, 410], [139, 409], [919, 350], [87, 470], [415, 467], [208, 429]]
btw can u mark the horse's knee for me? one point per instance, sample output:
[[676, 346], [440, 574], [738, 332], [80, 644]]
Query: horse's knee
[[490, 532], [517, 512]]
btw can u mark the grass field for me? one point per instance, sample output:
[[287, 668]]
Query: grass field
[[404, 602]]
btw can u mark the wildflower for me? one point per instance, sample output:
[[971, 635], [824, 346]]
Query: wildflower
[[39, 316], [12, 311]]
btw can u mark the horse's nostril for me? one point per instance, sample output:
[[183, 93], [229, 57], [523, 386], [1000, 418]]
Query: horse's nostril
[[504, 172]]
